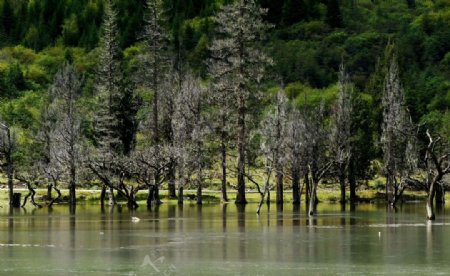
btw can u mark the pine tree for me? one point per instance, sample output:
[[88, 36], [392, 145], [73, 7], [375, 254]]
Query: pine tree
[[154, 68], [237, 65], [105, 120]]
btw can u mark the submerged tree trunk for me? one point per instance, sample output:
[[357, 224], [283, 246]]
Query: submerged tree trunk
[[240, 196], [180, 185], [223, 150], [72, 183], [171, 179], [279, 177], [440, 194], [112, 199], [307, 189], [31, 194], [313, 200], [390, 189], [352, 181], [153, 192], [10, 175], [58, 192], [103, 196], [49, 191], [151, 195], [430, 199], [199, 186], [342, 186], [295, 186]]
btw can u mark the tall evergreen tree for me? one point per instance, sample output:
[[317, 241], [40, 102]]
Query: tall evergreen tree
[[154, 69], [237, 65], [106, 121]]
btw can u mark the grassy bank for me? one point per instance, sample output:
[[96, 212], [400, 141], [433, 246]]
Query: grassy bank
[[328, 193]]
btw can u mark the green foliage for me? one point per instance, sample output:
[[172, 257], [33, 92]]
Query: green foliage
[[308, 41]]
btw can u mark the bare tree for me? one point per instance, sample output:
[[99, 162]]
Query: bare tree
[[436, 163], [192, 121], [31, 174], [296, 154], [236, 65], [8, 146], [113, 173], [341, 131], [397, 134], [316, 139], [66, 136], [274, 145]]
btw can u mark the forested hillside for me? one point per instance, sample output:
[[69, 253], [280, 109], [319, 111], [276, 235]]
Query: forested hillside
[[152, 50]]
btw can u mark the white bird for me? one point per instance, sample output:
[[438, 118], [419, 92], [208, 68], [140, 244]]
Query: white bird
[[135, 219]]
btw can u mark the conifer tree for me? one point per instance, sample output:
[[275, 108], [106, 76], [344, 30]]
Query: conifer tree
[[236, 66]]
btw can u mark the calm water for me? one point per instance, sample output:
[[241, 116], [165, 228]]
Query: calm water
[[220, 239]]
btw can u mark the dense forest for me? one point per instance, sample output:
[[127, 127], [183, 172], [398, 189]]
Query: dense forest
[[137, 95]]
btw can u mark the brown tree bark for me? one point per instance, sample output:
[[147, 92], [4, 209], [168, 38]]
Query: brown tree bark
[[295, 186]]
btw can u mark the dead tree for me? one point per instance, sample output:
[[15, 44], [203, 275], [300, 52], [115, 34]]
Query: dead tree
[[436, 164], [113, 173], [64, 141], [7, 148], [190, 118], [147, 164], [397, 134], [274, 145], [30, 174], [341, 131], [316, 138], [296, 149]]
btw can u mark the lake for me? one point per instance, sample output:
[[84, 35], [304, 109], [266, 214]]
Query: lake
[[224, 240]]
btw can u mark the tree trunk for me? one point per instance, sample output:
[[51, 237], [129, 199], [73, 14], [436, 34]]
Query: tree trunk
[[10, 175], [103, 196], [342, 186], [153, 192], [307, 188], [240, 196], [31, 194], [112, 199], [352, 182], [279, 173], [151, 195], [180, 184], [49, 191], [223, 150], [131, 200], [58, 192], [199, 193], [72, 192], [390, 189], [295, 186], [430, 198], [171, 180], [312, 201], [440, 194]]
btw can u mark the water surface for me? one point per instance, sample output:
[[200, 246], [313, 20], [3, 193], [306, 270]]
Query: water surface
[[223, 240]]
